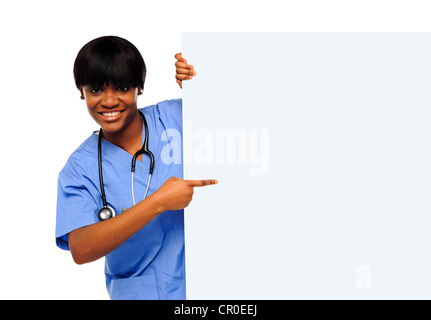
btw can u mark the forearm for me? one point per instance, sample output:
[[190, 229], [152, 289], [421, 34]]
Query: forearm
[[97, 240]]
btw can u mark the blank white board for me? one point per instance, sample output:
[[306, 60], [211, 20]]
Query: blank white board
[[321, 145]]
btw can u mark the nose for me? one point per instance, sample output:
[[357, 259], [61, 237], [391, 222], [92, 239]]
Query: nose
[[110, 99]]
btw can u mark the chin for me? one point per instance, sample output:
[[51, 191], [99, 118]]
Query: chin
[[112, 128]]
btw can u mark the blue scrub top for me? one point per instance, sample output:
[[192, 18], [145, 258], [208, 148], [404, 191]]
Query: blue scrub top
[[149, 265]]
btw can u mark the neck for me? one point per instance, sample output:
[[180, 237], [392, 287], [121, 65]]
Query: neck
[[128, 138]]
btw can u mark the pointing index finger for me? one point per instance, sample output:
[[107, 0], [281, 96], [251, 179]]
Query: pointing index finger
[[202, 183]]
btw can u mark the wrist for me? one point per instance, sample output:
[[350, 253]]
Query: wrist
[[157, 203]]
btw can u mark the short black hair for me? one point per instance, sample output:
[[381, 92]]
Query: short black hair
[[109, 59]]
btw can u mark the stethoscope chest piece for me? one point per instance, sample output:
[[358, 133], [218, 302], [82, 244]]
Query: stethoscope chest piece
[[106, 213]]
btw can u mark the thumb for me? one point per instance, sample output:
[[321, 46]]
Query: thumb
[[179, 57]]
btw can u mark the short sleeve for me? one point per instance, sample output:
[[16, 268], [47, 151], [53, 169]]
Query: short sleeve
[[171, 113], [76, 204]]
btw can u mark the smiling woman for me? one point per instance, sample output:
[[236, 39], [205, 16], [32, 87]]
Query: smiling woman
[[110, 73], [143, 260]]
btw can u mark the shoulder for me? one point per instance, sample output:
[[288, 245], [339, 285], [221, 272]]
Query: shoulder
[[167, 112], [163, 108], [173, 103]]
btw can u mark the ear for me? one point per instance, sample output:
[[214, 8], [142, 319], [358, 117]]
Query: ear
[[82, 93], [140, 90]]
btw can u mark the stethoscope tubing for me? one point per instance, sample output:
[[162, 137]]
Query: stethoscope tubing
[[143, 150]]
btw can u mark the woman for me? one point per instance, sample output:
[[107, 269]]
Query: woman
[[143, 241]]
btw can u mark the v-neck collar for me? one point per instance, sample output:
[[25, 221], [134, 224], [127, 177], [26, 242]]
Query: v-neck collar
[[114, 153]]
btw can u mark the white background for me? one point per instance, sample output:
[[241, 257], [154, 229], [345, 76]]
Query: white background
[[44, 120]]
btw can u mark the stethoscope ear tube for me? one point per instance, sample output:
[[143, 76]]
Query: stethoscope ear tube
[[144, 148], [106, 212], [99, 153], [152, 161]]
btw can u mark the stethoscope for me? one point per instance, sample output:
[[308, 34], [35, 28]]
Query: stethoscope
[[108, 212]]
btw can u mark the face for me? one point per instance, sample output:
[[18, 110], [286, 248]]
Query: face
[[113, 108]]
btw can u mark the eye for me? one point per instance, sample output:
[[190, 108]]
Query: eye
[[95, 90], [125, 89]]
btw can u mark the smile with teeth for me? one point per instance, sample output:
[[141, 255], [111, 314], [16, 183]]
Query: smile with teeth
[[110, 114]]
